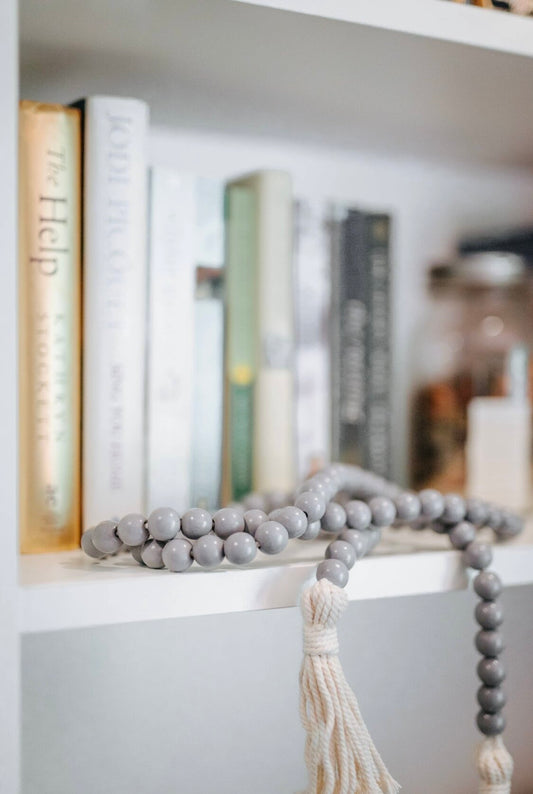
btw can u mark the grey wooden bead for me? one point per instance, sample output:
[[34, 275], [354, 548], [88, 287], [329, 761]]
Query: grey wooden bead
[[177, 555], [358, 514], [313, 505], [105, 537], [408, 507], [208, 551], [478, 555], [334, 519], [491, 671], [334, 571], [136, 552], [373, 537], [196, 523], [491, 699], [227, 521], [240, 548], [254, 501], [356, 538], [489, 643], [88, 546], [132, 529], [383, 511], [163, 523], [491, 724], [254, 518], [152, 554], [462, 534], [312, 531], [454, 508], [432, 503], [488, 585], [343, 551], [272, 537], [293, 519], [510, 526], [494, 517], [476, 511], [489, 614]]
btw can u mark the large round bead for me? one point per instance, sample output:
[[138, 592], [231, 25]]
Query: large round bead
[[253, 519], [432, 504], [136, 553], [105, 537], [208, 551], [177, 555], [163, 523], [491, 698], [383, 511], [334, 571], [343, 551], [88, 546], [489, 614], [358, 514], [454, 508], [488, 585], [152, 554], [491, 671], [312, 531], [408, 507], [272, 537], [227, 521], [293, 519], [462, 534], [489, 643], [240, 548], [358, 539], [334, 519], [196, 522], [491, 724], [478, 555], [476, 511], [312, 504], [132, 529]]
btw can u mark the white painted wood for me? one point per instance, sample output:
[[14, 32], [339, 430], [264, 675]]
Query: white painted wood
[[9, 639], [395, 77], [66, 591], [434, 19]]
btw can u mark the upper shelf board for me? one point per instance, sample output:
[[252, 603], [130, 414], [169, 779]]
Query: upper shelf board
[[69, 591], [418, 78]]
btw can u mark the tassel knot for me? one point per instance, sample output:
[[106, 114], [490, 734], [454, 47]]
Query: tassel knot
[[495, 766], [340, 755]]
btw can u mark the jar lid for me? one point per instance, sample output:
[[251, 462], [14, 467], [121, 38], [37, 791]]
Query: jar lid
[[483, 269]]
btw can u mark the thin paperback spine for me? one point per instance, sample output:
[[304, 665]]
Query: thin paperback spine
[[171, 339], [115, 287], [50, 333]]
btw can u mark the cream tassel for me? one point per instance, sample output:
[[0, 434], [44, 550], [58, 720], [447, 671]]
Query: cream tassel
[[339, 752], [495, 766]]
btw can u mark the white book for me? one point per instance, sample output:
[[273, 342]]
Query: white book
[[312, 294], [115, 193], [171, 339]]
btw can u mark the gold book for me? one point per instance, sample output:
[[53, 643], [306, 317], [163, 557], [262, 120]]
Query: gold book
[[49, 327]]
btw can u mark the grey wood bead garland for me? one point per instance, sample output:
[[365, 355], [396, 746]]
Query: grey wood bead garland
[[351, 506]]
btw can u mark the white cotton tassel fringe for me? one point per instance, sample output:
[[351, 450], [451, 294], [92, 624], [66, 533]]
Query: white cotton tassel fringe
[[339, 752], [495, 766]]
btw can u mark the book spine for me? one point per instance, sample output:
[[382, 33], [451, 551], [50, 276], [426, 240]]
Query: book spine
[[377, 453], [240, 345], [171, 339], [49, 311], [349, 321], [274, 430], [312, 288], [115, 203]]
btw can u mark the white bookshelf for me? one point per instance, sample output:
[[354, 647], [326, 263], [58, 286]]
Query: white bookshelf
[[418, 106]]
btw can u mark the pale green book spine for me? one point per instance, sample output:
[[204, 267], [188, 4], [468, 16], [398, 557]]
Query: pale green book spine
[[240, 348]]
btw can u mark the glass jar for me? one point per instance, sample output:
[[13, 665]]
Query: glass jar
[[471, 415]]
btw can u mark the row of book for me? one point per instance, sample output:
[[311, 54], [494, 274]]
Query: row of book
[[184, 341]]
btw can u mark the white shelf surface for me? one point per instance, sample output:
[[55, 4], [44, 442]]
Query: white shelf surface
[[69, 591], [411, 78]]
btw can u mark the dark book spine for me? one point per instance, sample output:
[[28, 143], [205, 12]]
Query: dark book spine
[[349, 330], [377, 448]]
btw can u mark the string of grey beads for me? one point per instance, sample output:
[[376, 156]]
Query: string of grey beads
[[353, 506]]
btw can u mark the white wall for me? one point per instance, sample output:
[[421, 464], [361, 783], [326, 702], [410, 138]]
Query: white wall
[[209, 705], [431, 205]]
